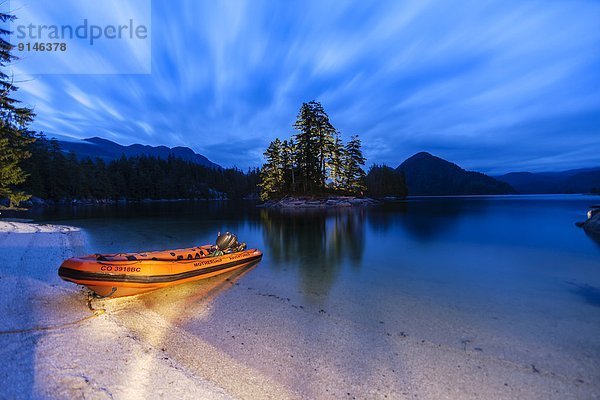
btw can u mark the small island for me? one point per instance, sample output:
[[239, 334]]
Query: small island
[[315, 168], [320, 202]]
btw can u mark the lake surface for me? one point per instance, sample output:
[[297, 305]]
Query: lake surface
[[509, 277]]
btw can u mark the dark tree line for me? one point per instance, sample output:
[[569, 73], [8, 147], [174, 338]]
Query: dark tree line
[[383, 181], [314, 161], [57, 176]]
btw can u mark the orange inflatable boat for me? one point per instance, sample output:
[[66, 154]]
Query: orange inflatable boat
[[116, 275]]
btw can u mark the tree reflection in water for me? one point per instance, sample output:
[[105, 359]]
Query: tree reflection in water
[[425, 220], [316, 242]]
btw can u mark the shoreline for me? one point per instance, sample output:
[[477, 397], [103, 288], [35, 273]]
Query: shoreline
[[366, 201], [320, 202], [38, 202]]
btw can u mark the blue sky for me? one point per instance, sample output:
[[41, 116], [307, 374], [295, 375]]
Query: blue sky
[[494, 86]]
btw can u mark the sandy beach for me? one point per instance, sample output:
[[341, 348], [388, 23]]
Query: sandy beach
[[238, 337], [54, 346]]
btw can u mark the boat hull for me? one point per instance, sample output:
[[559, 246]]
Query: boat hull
[[119, 275]]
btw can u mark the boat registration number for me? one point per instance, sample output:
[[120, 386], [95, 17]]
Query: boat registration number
[[117, 268]]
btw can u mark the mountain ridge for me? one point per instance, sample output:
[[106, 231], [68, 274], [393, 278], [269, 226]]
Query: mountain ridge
[[581, 180], [428, 175], [107, 150]]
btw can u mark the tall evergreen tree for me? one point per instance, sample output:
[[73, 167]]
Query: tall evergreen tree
[[15, 137], [354, 181], [306, 145], [288, 161], [315, 163], [336, 163], [315, 145], [325, 140], [272, 171]]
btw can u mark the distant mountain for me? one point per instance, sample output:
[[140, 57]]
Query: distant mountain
[[107, 150], [428, 175], [572, 181]]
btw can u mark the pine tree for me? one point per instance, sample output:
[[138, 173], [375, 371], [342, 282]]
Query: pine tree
[[15, 137], [306, 147], [315, 146], [316, 162], [336, 163], [354, 176], [272, 171], [325, 141], [288, 161]]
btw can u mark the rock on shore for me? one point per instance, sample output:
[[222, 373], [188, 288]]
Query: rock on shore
[[320, 202], [592, 225]]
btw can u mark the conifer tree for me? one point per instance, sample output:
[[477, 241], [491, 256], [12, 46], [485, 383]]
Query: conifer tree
[[306, 146], [315, 144], [316, 162], [15, 137], [288, 160], [336, 163], [354, 175], [271, 173], [325, 140]]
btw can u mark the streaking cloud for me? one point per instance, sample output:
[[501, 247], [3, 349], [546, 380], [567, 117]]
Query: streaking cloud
[[494, 86]]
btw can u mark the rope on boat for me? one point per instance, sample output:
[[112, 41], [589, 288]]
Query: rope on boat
[[96, 312]]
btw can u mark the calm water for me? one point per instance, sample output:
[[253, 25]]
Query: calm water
[[486, 248], [512, 275]]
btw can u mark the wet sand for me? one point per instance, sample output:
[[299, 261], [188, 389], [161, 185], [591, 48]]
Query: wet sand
[[242, 336]]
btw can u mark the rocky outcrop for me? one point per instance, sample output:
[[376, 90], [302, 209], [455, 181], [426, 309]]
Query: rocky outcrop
[[592, 225], [320, 202]]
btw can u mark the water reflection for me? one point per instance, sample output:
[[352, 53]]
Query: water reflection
[[151, 226], [317, 243], [424, 219], [594, 237], [171, 210]]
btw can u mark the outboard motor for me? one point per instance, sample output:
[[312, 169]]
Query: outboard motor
[[228, 243]]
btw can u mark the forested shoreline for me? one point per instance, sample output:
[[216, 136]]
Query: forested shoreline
[[53, 176], [56, 176]]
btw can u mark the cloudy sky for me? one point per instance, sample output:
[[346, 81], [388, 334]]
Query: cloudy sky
[[494, 86]]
